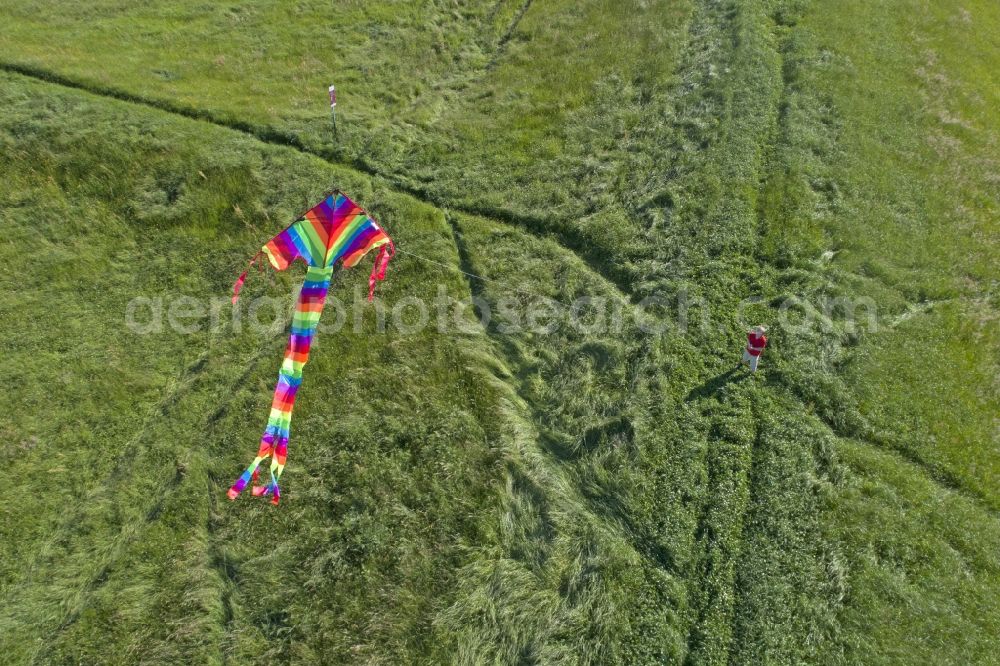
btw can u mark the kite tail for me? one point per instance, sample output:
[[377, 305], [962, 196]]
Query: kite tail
[[251, 472], [279, 453], [385, 253], [238, 285], [274, 442]]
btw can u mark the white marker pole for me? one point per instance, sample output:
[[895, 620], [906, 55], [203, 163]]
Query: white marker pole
[[333, 103]]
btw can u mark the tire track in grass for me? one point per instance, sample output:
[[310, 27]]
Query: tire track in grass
[[227, 572], [718, 632], [642, 544], [723, 528], [721, 525], [784, 584], [501, 47], [833, 403], [753, 483], [731, 38], [612, 517], [559, 231], [860, 430], [720, 21]]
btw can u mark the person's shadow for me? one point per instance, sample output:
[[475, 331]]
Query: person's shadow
[[715, 384]]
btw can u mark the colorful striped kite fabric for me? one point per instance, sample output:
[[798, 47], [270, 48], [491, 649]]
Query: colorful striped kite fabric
[[334, 230]]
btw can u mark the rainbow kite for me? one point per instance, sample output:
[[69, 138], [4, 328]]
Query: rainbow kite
[[335, 230]]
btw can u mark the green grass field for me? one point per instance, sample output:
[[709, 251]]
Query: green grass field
[[500, 494]]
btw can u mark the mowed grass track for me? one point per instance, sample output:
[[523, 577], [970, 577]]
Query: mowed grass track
[[567, 498]]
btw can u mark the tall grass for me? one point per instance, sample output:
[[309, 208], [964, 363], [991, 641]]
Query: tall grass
[[489, 496]]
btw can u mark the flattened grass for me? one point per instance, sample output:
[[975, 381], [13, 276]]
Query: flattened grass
[[492, 496]]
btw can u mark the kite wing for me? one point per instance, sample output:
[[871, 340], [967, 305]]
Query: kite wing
[[336, 229], [300, 240]]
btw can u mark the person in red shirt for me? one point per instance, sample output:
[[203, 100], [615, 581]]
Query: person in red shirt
[[756, 341]]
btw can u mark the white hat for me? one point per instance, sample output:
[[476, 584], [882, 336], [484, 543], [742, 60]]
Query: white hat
[[760, 329]]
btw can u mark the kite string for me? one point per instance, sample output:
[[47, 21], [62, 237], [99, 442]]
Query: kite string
[[477, 277]]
